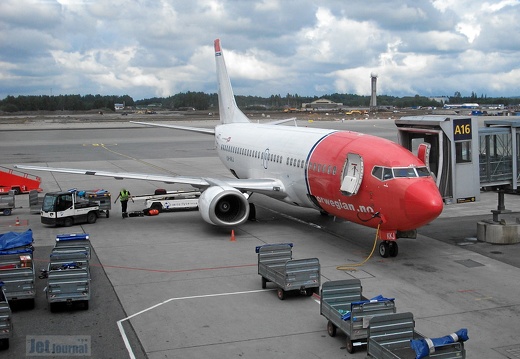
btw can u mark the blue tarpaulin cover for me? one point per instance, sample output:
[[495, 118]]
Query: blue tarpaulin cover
[[72, 236], [12, 240], [423, 347], [345, 314]]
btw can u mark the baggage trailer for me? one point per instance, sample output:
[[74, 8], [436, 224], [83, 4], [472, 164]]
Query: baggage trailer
[[74, 242], [7, 203], [6, 326], [101, 197], [345, 307], [68, 278], [19, 182], [389, 337], [275, 264], [17, 267]]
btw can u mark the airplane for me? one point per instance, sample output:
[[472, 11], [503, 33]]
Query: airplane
[[358, 177]]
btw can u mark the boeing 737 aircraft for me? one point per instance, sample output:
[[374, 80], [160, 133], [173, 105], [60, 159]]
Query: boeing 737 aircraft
[[361, 178]]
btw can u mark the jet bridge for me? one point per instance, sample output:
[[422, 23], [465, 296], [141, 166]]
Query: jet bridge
[[465, 158], [449, 148], [462, 156]]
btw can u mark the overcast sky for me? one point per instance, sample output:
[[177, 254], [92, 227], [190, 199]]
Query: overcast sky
[[148, 48]]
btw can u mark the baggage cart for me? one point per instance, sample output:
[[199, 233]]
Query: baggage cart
[[275, 264], [17, 267], [6, 326], [102, 197], [68, 277], [74, 242], [389, 337], [345, 307]]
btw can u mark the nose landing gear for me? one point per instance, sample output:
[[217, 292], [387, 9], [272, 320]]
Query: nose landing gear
[[388, 249]]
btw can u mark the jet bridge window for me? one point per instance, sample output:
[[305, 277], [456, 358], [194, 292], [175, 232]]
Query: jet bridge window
[[463, 151]]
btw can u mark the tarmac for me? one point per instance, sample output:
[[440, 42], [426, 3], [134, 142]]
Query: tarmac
[[172, 286]]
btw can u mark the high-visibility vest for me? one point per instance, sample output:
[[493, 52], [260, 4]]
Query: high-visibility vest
[[123, 195]]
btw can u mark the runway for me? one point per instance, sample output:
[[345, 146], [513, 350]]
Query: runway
[[182, 288]]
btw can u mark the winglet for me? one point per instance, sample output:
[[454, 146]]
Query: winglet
[[228, 109]]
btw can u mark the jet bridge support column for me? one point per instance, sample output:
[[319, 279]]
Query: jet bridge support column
[[499, 159]]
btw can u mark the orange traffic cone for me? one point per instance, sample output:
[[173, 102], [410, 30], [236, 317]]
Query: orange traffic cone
[[17, 223], [232, 235]]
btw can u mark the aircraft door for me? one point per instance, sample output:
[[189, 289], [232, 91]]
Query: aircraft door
[[352, 174]]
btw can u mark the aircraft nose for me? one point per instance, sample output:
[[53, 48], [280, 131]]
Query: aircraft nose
[[423, 203]]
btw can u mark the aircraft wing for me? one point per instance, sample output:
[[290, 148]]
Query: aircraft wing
[[207, 131], [266, 185]]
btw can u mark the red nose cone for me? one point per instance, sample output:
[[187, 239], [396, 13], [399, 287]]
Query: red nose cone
[[423, 203]]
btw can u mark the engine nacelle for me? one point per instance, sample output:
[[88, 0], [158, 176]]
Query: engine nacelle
[[223, 206]]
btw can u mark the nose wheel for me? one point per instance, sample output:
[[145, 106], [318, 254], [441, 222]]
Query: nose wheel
[[388, 249]]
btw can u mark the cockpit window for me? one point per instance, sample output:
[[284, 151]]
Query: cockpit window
[[386, 173], [378, 172], [405, 172], [423, 171]]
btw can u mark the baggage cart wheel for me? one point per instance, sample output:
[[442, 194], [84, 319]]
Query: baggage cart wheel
[[4, 343], [85, 304], [309, 292], [53, 307], [107, 213], [264, 283], [350, 346], [281, 294], [91, 217], [7, 212], [331, 329], [30, 303]]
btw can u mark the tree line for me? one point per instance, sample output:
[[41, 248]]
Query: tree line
[[203, 101]]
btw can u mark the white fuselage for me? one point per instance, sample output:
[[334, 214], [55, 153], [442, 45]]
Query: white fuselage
[[270, 151]]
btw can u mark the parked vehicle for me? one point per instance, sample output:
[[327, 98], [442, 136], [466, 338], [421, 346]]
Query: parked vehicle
[[7, 203], [165, 201], [19, 182], [73, 207], [275, 264]]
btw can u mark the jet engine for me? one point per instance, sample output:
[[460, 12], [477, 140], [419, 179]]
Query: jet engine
[[223, 206]]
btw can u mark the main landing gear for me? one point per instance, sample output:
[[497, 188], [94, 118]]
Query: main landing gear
[[388, 249]]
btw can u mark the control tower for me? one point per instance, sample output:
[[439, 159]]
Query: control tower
[[373, 96]]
